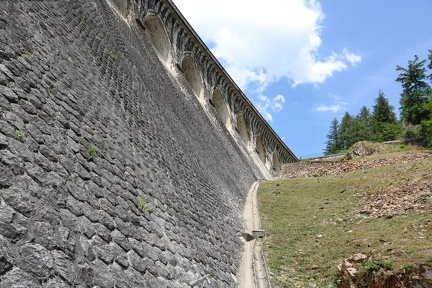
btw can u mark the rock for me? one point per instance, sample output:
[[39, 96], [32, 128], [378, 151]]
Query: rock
[[359, 257], [9, 94], [6, 256], [36, 259], [20, 277], [12, 223], [64, 265], [3, 142]]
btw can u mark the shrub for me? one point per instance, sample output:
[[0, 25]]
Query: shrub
[[142, 204], [19, 134], [92, 151]]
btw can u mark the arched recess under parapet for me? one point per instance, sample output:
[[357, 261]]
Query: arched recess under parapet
[[222, 107], [242, 129], [260, 148], [193, 76], [157, 34], [276, 163]]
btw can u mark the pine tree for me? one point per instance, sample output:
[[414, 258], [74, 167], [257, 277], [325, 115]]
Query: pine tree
[[347, 131], [384, 123], [426, 125], [332, 144], [430, 64], [415, 90], [363, 120]]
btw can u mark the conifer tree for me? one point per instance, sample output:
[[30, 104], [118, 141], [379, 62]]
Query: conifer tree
[[415, 90], [384, 123], [363, 120], [347, 131], [332, 144]]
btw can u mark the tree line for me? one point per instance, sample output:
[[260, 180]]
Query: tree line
[[381, 124]]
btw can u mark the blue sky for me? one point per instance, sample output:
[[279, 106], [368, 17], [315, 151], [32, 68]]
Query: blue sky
[[303, 63]]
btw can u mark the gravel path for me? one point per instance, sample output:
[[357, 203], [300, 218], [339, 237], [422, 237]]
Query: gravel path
[[253, 270]]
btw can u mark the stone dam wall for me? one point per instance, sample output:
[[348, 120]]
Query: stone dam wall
[[111, 172]]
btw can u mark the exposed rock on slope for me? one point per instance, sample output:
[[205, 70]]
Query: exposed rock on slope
[[318, 169], [404, 198]]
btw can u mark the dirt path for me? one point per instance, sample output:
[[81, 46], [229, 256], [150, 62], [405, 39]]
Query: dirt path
[[252, 271]]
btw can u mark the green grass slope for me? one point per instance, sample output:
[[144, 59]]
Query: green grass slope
[[313, 223]]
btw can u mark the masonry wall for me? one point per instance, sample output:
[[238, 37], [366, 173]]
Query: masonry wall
[[111, 173]]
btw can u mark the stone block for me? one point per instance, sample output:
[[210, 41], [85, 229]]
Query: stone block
[[44, 235], [20, 277], [8, 93], [64, 266], [12, 224], [6, 256], [36, 259], [121, 240]]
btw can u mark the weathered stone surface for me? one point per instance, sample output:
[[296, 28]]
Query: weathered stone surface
[[18, 278], [21, 200], [7, 129], [103, 252], [6, 176], [120, 256], [64, 266], [36, 259], [135, 278], [102, 275], [121, 240], [85, 275], [3, 141], [6, 255], [56, 283], [8, 93], [44, 235], [66, 241], [103, 232], [12, 223], [119, 276], [71, 220], [136, 261]]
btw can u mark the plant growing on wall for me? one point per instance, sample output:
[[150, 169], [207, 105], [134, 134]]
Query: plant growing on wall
[[110, 54], [142, 204], [92, 151], [19, 134]]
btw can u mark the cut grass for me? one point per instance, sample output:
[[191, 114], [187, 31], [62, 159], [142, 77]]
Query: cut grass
[[312, 224]]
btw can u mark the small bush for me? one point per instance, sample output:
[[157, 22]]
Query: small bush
[[377, 264], [142, 204], [19, 134], [111, 54], [367, 272], [413, 135], [92, 151]]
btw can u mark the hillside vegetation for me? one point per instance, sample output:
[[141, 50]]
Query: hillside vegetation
[[379, 206]]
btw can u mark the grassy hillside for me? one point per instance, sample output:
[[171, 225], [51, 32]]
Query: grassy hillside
[[313, 223]]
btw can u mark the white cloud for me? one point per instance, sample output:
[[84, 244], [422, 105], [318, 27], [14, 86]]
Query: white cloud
[[267, 105], [351, 57], [334, 108], [262, 44], [280, 98]]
